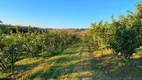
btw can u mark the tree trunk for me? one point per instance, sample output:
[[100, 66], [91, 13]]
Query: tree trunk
[[2, 65], [12, 63]]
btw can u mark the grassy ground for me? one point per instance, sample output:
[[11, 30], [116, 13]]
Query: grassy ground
[[78, 62]]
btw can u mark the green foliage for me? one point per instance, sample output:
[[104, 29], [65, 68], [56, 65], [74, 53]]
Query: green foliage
[[124, 35], [99, 34], [1, 32], [48, 44], [128, 33], [11, 48], [124, 41]]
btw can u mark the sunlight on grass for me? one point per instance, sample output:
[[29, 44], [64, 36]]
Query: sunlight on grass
[[69, 63], [72, 76], [138, 54], [38, 69], [58, 57], [28, 61], [4, 75], [98, 53]]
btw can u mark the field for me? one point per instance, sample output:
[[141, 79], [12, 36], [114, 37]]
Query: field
[[78, 62]]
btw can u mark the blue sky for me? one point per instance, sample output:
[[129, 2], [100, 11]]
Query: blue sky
[[62, 13]]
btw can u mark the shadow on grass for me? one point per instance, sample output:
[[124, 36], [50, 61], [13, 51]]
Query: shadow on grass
[[117, 68], [68, 52], [6, 79], [137, 60]]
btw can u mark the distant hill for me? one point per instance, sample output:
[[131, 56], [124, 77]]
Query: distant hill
[[24, 29]]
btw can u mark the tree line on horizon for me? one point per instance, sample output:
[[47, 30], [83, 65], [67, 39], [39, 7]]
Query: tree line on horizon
[[7, 29]]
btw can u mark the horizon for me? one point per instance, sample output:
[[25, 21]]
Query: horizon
[[61, 14]]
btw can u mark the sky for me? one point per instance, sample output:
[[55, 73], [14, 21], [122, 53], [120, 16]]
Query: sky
[[62, 13]]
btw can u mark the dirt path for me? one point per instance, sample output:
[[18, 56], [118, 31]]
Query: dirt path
[[88, 62], [83, 66]]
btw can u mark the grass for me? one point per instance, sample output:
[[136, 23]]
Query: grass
[[78, 62]]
